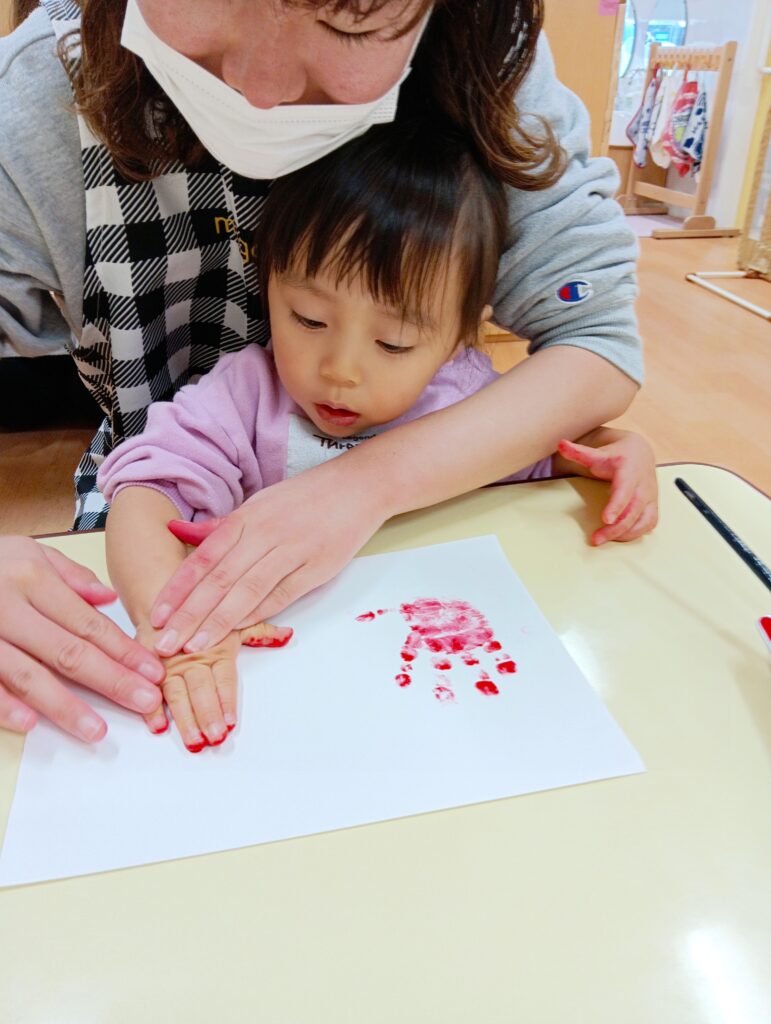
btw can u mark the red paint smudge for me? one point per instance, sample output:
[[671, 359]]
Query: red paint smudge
[[196, 748], [280, 639], [446, 628], [765, 625], [231, 727], [443, 693], [487, 687]]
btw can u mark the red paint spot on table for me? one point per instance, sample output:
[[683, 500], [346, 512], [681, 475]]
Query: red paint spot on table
[[403, 679], [507, 667], [765, 625]]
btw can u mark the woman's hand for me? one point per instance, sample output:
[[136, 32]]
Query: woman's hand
[[629, 464], [201, 690], [49, 629], [283, 542]]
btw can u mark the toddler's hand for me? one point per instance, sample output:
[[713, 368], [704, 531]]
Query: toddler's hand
[[629, 464], [201, 689]]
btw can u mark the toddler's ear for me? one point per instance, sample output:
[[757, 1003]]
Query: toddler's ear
[[487, 312]]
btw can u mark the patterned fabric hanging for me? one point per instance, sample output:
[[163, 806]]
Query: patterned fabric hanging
[[678, 123], [638, 129], [695, 134]]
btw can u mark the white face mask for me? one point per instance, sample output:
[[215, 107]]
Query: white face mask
[[253, 142]]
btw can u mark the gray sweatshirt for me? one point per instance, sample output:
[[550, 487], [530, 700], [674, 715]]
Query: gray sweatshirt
[[568, 277]]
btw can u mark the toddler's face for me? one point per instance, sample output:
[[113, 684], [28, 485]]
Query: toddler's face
[[348, 362]]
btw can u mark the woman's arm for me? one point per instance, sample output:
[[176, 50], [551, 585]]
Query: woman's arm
[[296, 535]]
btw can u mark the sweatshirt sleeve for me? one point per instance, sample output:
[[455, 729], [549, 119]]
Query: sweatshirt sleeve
[[42, 199], [200, 449], [568, 275]]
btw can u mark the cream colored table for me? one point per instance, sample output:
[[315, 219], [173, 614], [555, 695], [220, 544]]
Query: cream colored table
[[641, 899]]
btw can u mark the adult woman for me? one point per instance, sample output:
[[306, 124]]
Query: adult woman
[[167, 280]]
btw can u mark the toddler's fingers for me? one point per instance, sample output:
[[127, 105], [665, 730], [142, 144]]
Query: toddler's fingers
[[265, 634], [226, 681], [623, 523], [623, 492], [178, 699], [205, 701], [582, 454], [156, 721], [647, 521]]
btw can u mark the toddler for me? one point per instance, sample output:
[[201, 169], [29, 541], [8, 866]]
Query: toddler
[[377, 262]]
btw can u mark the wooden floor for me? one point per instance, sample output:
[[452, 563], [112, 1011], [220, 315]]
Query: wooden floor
[[707, 396]]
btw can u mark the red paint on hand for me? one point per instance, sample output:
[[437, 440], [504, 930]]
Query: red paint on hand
[[192, 533], [196, 748], [280, 638]]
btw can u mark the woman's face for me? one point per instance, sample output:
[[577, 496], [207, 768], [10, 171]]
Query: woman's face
[[275, 52]]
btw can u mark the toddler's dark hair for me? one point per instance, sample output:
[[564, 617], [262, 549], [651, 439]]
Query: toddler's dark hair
[[393, 206]]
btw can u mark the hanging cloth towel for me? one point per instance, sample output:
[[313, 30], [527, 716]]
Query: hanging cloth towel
[[667, 93], [674, 136], [638, 128], [695, 134]]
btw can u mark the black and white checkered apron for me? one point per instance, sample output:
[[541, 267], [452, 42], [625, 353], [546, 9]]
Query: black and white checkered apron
[[170, 284]]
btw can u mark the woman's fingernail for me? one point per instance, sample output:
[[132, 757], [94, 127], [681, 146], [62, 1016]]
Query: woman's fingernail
[[159, 616], [159, 729], [220, 739], [196, 748], [21, 720], [199, 641], [151, 670], [90, 728], [168, 642], [230, 719], [146, 700]]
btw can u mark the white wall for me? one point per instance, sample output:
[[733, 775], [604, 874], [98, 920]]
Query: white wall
[[749, 22]]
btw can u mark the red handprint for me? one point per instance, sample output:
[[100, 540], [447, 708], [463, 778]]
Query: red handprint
[[447, 629]]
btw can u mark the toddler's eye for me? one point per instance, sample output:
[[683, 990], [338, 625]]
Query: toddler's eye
[[394, 349], [304, 321]]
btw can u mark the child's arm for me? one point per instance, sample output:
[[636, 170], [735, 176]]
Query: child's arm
[[200, 689], [628, 462]]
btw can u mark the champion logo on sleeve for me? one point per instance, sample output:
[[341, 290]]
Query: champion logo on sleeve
[[573, 292]]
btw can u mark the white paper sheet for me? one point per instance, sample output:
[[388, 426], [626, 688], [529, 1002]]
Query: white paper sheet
[[327, 738]]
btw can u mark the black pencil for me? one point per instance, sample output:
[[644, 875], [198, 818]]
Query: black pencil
[[746, 554]]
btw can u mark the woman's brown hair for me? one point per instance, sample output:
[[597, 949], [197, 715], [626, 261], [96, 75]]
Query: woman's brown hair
[[470, 64]]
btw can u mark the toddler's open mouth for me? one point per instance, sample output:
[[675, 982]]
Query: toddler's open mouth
[[338, 416]]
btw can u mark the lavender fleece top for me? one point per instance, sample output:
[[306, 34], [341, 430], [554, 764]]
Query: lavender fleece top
[[237, 430]]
